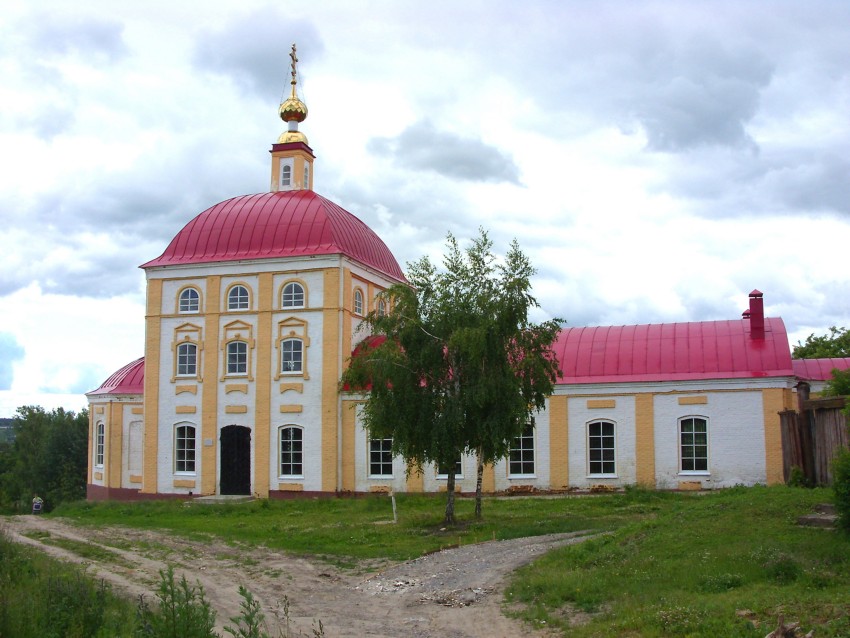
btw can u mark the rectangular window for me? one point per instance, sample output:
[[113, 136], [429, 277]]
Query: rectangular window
[[237, 357], [694, 444], [184, 449], [291, 454], [521, 455], [99, 448], [291, 355], [601, 446], [380, 457], [187, 359], [443, 471]]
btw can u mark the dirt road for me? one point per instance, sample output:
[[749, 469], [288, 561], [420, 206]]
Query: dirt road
[[454, 593]]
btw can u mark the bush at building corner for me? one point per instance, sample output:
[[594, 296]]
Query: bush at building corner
[[841, 487]]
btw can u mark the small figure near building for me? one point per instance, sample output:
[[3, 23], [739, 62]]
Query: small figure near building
[[37, 504]]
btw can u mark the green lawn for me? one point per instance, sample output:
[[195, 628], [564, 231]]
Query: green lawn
[[724, 563]]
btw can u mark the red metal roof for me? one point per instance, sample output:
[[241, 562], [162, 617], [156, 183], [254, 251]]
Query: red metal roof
[[128, 380], [271, 225], [819, 369], [672, 352]]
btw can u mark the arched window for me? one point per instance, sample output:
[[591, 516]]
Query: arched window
[[306, 176], [187, 359], [237, 357], [291, 451], [521, 455], [291, 355], [286, 175], [237, 298], [184, 448], [100, 445], [693, 439], [382, 307], [358, 302], [601, 448], [293, 295], [189, 301]]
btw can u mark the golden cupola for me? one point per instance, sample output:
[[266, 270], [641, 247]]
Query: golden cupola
[[292, 158]]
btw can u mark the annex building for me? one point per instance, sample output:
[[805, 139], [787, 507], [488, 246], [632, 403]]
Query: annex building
[[252, 312]]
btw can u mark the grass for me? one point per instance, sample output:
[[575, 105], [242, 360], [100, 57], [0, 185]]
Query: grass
[[725, 563]]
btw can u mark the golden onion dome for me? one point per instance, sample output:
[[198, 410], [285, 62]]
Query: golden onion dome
[[292, 109], [287, 137]]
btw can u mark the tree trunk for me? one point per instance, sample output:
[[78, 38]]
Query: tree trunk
[[479, 480], [450, 497]]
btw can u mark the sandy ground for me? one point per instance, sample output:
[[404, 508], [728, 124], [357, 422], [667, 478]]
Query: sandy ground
[[455, 593]]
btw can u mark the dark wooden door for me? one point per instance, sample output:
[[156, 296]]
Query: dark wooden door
[[235, 460]]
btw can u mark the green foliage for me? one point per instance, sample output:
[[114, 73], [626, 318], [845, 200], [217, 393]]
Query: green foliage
[[841, 487], [48, 457], [42, 598], [797, 478], [835, 344], [182, 611], [462, 368], [250, 623], [839, 384]]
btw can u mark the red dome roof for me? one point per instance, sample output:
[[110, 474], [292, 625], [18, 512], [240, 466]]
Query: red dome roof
[[273, 225], [128, 380]]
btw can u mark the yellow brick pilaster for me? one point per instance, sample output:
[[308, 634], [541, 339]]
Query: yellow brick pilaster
[[114, 446], [347, 303], [153, 339], [774, 402], [415, 481], [209, 389], [488, 480], [559, 469], [645, 440], [262, 417], [331, 343], [349, 429]]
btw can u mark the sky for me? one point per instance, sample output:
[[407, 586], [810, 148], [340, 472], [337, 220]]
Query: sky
[[656, 161]]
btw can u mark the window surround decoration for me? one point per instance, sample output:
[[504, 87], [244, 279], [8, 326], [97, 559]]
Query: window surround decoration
[[293, 294], [185, 335], [286, 173], [693, 445], [357, 306], [289, 331], [238, 331], [291, 451], [100, 444], [185, 448], [521, 454], [380, 458], [602, 448], [189, 301], [238, 298]]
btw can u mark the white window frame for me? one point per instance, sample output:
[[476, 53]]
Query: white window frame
[[100, 444], [602, 437], [306, 175], [383, 452], [186, 304], [236, 300], [521, 445], [693, 444], [183, 359], [183, 453], [286, 175], [358, 302], [458, 470], [237, 362], [292, 454], [293, 301], [285, 350]]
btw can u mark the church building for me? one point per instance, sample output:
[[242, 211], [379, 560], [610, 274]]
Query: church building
[[252, 312]]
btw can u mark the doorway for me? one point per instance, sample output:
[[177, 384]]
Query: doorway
[[235, 460]]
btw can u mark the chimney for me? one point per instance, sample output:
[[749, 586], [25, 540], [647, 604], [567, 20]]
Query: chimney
[[756, 315]]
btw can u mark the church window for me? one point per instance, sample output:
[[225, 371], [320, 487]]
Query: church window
[[693, 436], [601, 448], [293, 295], [382, 307], [190, 301], [286, 175], [237, 357], [100, 445], [358, 302], [521, 454], [306, 176], [292, 352], [237, 298], [291, 451], [184, 448], [380, 458], [187, 359]]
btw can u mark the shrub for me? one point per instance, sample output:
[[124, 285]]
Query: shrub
[[183, 611], [841, 487]]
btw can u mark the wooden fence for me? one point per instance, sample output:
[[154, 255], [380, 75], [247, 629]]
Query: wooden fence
[[811, 437]]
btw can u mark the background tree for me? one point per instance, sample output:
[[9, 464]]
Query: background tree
[[48, 457], [455, 366], [834, 344]]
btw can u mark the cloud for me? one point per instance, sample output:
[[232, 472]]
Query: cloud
[[253, 50], [422, 147], [10, 351], [90, 38]]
